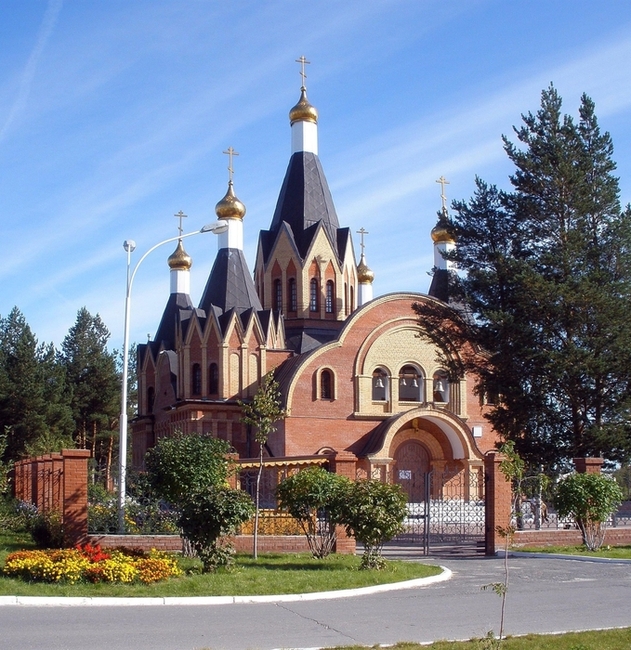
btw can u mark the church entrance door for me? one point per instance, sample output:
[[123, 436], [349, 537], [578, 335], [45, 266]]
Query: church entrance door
[[445, 506]]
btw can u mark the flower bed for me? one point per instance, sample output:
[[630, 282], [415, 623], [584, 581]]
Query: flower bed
[[91, 564]]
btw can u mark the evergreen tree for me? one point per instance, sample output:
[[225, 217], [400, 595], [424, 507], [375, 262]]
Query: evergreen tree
[[55, 408], [33, 411], [94, 385], [545, 284]]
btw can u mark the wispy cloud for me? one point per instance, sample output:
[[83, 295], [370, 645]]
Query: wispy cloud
[[26, 79]]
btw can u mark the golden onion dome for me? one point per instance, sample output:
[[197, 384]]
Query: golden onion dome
[[180, 260], [230, 207], [364, 274], [303, 111], [442, 233]]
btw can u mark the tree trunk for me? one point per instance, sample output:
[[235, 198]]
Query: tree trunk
[[108, 465], [257, 502]]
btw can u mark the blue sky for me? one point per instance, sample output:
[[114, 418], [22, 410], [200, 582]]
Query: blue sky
[[114, 116]]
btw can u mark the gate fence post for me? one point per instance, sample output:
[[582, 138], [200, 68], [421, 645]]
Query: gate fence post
[[498, 498], [75, 495]]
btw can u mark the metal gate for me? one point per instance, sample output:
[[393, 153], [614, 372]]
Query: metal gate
[[450, 510]]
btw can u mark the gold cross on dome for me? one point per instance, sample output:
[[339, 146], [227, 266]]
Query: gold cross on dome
[[443, 181], [361, 232], [303, 62], [230, 152], [180, 215]]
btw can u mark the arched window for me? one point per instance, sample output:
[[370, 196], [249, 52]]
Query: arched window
[[293, 295], [326, 384], [196, 379], [314, 295], [213, 379], [330, 297], [410, 385], [379, 385], [352, 305], [151, 398], [278, 295], [441, 387]]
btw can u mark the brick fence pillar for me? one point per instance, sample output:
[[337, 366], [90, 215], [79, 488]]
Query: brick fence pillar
[[344, 465], [75, 495], [498, 497], [57, 481], [588, 465]]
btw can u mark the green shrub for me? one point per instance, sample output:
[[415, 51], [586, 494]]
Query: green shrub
[[373, 513], [47, 530], [590, 499], [208, 517], [312, 497]]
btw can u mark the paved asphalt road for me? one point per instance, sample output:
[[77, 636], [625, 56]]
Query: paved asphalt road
[[545, 595]]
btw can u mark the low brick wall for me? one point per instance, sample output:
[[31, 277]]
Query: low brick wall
[[552, 537], [144, 542], [242, 543]]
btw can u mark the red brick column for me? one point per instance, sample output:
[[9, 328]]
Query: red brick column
[[39, 483], [17, 484], [588, 465], [75, 495], [344, 465], [57, 480], [498, 497]]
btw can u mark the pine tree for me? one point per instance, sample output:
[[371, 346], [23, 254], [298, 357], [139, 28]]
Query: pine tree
[[546, 280], [33, 412], [94, 384]]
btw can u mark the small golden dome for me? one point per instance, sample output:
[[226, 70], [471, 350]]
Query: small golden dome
[[180, 260], [303, 111], [364, 274], [442, 233], [230, 207]]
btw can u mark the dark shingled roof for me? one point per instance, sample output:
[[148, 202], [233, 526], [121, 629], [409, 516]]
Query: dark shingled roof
[[304, 201], [166, 329], [229, 284], [304, 339], [439, 288]]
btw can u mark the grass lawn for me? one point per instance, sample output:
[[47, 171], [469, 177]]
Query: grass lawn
[[601, 640], [270, 574], [614, 552]]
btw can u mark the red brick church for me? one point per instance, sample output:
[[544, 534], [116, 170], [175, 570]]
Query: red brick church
[[358, 382]]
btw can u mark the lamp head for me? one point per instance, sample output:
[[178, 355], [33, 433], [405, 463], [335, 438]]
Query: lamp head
[[217, 227], [129, 245]]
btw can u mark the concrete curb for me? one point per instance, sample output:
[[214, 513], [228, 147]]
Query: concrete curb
[[80, 601], [559, 556]]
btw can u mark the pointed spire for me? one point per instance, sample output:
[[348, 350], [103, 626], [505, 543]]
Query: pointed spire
[[230, 207], [365, 276], [444, 242], [441, 232], [303, 118]]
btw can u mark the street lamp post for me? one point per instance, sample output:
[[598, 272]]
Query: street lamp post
[[129, 245]]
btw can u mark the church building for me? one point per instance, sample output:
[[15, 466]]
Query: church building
[[358, 382]]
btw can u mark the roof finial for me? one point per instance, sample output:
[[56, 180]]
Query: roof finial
[[180, 215], [361, 232], [303, 61], [230, 153], [443, 181]]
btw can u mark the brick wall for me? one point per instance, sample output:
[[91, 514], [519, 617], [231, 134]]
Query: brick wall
[[57, 483], [553, 537], [242, 543]]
